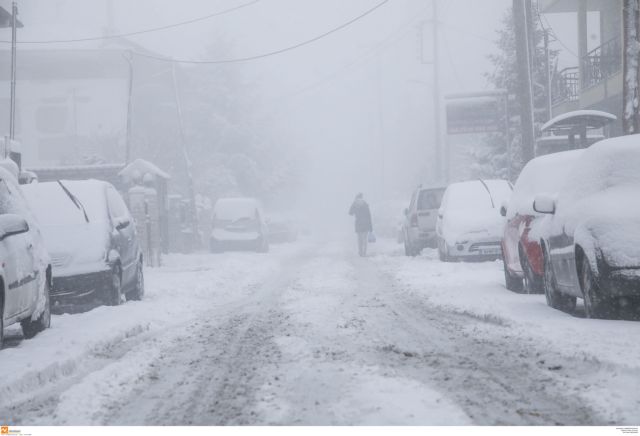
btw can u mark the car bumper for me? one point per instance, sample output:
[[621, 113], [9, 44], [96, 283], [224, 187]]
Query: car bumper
[[621, 282], [423, 239], [477, 250], [80, 286]]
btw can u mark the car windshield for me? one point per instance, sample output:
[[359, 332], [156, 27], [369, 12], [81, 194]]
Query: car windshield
[[430, 199], [53, 206], [235, 210]]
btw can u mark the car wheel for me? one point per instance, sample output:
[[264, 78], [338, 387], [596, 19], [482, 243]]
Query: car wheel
[[138, 292], [555, 299], [114, 289], [512, 282], [533, 284], [31, 328], [443, 252], [595, 305]]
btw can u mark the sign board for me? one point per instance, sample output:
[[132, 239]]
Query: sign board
[[476, 113]]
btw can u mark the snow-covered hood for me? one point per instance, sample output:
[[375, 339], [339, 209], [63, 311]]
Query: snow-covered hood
[[471, 224], [77, 249]]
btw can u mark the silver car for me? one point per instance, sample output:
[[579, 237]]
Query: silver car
[[419, 226]]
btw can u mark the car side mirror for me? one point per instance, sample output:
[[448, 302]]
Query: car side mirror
[[544, 204], [11, 225], [406, 212], [122, 223], [440, 213]]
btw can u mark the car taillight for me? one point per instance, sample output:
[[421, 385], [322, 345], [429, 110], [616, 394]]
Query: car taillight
[[414, 220]]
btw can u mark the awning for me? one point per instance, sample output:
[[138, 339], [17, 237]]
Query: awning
[[571, 121]]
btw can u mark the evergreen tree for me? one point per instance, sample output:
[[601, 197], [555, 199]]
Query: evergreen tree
[[492, 159]]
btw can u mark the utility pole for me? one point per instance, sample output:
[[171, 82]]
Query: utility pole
[[547, 66], [187, 160], [129, 58], [14, 34], [631, 54], [525, 94], [441, 161]]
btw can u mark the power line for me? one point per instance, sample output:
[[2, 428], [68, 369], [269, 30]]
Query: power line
[[141, 32], [272, 53], [553, 34], [395, 37]]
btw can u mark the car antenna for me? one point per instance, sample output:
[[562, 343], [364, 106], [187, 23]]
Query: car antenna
[[493, 204]]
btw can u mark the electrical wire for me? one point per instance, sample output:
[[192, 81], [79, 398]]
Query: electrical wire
[[549, 28], [140, 32], [271, 53]]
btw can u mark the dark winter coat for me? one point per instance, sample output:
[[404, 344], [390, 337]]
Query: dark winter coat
[[360, 209]]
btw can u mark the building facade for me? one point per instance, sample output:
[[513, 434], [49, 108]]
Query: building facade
[[595, 82]]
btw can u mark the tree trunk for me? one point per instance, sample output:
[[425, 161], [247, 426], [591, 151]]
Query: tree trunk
[[631, 29]]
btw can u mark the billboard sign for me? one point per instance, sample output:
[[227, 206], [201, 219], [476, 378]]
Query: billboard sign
[[476, 113]]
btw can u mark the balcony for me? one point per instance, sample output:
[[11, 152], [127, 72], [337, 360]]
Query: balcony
[[566, 86], [601, 63]]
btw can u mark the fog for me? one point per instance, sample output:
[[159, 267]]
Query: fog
[[353, 111]]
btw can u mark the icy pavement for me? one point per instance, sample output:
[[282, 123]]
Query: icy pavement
[[312, 334]]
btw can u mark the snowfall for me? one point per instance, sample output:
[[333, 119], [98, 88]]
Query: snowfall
[[312, 334]]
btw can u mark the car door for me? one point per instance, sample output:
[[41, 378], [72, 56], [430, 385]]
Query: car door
[[123, 230], [20, 274]]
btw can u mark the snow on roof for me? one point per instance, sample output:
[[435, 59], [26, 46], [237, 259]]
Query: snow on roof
[[142, 167], [542, 175], [593, 118]]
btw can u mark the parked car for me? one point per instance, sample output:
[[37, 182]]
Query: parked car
[[522, 255], [419, 225], [591, 239], [282, 230], [92, 240], [469, 225], [25, 267], [239, 224]]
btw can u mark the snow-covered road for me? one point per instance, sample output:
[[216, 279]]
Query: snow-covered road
[[312, 334]]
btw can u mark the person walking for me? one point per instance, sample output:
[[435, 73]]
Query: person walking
[[363, 224]]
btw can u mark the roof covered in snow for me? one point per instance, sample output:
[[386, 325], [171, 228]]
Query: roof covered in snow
[[590, 118], [142, 167]]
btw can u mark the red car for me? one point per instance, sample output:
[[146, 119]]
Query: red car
[[522, 256]]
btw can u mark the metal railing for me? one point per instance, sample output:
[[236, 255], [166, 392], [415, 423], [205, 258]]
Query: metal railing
[[566, 86], [602, 63]]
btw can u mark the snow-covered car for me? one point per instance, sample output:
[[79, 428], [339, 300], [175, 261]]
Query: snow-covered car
[[25, 268], [591, 239], [469, 225], [239, 224], [419, 225], [522, 255], [92, 240], [282, 230]]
